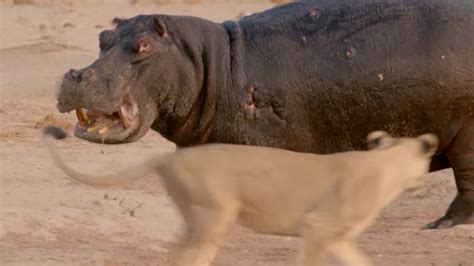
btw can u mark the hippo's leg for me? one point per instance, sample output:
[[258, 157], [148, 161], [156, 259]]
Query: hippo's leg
[[461, 157]]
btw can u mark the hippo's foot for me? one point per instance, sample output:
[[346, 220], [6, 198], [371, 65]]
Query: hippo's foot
[[461, 211]]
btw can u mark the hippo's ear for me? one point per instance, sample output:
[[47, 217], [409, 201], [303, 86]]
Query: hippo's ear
[[429, 143], [117, 21], [160, 27], [379, 139]]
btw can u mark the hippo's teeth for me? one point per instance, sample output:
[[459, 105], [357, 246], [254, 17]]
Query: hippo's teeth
[[93, 127], [81, 114], [124, 117], [104, 130]]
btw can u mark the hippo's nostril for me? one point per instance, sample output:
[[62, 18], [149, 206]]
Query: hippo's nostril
[[73, 74], [88, 73]]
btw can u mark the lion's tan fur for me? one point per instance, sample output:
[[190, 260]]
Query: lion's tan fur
[[326, 199]]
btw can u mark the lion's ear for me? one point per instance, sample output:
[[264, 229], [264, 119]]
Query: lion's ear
[[429, 143], [379, 139]]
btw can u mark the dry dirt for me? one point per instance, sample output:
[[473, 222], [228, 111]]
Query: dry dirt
[[45, 219]]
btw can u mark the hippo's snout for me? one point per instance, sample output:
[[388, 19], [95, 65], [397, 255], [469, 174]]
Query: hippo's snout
[[105, 109], [77, 88], [81, 87], [74, 75]]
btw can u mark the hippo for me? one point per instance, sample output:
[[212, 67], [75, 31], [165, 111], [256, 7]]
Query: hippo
[[308, 76]]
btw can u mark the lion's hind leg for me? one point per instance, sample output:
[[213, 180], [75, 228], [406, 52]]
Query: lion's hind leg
[[348, 252], [206, 229]]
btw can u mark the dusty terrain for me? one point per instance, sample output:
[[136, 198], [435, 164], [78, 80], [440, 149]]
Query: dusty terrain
[[45, 219]]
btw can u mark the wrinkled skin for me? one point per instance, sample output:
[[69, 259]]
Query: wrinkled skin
[[312, 76]]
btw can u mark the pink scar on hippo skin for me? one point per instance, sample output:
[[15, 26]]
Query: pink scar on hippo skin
[[350, 52], [313, 12], [249, 98], [250, 105]]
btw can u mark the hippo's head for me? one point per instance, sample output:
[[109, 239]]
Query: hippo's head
[[141, 76]]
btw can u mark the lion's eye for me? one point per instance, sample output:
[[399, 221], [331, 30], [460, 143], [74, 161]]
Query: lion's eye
[[142, 46]]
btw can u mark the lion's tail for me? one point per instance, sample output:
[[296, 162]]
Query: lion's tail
[[52, 133]]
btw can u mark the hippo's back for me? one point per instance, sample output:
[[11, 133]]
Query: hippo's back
[[345, 39], [332, 71]]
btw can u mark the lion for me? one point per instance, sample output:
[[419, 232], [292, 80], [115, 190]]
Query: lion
[[328, 200]]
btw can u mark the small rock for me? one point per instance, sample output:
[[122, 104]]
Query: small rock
[[68, 25], [50, 120]]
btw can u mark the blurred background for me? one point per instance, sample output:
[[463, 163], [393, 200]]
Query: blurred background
[[64, 33], [45, 219]]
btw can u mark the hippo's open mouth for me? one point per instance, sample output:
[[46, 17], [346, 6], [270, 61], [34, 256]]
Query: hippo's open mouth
[[108, 127]]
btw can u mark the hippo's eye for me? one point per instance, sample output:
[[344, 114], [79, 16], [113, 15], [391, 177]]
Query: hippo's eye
[[142, 46]]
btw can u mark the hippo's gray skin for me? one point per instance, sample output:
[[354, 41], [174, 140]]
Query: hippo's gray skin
[[312, 76]]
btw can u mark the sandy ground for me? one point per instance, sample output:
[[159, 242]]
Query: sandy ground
[[45, 219]]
